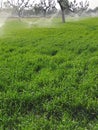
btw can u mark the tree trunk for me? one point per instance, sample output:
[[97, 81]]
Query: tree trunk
[[63, 15], [44, 12], [62, 11]]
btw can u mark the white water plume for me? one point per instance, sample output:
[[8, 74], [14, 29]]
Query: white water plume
[[41, 22], [3, 17]]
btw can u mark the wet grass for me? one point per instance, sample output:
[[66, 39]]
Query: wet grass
[[49, 76]]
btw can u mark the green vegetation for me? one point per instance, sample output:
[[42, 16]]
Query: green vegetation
[[49, 76]]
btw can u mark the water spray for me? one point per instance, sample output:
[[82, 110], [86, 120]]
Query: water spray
[[3, 17], [41, 21]]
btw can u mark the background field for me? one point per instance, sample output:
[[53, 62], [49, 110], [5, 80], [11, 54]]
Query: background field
[[49, 75]]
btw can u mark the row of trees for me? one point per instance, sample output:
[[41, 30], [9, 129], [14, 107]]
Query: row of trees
[[44, 7], [20, 6]]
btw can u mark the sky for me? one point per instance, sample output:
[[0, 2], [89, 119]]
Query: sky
[[93, 3]]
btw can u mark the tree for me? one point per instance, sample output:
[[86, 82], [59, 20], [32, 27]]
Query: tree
[[64, 4], [47, 5], [81, 7], [72, 6], [18, 5]]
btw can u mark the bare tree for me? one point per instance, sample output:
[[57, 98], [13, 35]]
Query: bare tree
[[38, 9], [79, 7], [64, 4], [18, 5], [72, 6], [47, 5]]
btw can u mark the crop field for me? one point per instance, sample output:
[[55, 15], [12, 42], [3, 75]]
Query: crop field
[[49, 76]]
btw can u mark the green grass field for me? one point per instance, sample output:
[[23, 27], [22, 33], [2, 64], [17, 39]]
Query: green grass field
[[49, 76]]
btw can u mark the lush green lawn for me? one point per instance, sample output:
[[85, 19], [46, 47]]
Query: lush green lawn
[[49, 76]]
